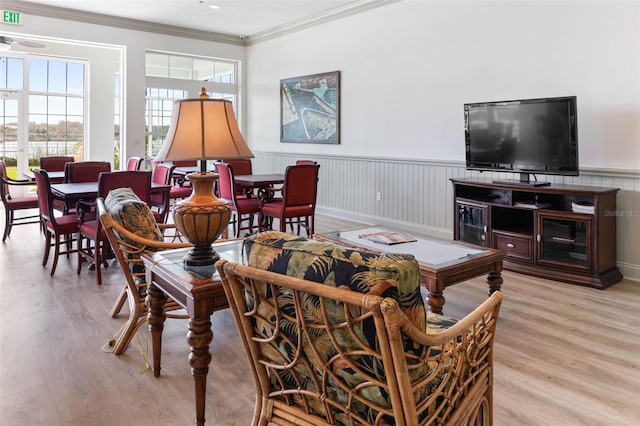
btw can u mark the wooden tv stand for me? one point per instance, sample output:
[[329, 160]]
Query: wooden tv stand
[[539, 230]]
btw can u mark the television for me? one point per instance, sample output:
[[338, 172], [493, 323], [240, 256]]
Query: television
[[529, 136]]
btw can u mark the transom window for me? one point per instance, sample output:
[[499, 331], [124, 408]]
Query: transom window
[[173, 77]]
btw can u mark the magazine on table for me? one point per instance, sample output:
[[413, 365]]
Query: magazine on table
[[388, 237]]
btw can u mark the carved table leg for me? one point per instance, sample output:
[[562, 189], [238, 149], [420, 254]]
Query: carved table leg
[[494, 281], [156, 300], [199, 337], [436, 301], [435, 298]]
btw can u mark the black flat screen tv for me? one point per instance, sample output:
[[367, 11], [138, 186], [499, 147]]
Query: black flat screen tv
[[529, 136]]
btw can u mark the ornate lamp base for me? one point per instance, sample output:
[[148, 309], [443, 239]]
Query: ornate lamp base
[[201, 218]]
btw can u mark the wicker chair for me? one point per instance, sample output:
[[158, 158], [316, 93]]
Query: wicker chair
[[330, 353], [128, 247]]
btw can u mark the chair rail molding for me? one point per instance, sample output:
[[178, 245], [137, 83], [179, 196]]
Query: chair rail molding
[[417, 196]]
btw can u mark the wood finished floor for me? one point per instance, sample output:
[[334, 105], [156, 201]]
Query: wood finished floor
[[564, 355]]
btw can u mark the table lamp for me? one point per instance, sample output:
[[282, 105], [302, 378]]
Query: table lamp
[[203, 129]]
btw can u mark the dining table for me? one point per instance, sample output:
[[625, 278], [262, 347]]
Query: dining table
[[260, 182], [57, 176], [72, 192]]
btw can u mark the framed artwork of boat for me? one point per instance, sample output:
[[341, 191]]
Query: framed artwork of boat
[[310, 109]]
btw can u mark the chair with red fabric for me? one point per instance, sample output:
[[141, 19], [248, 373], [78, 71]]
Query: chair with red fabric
[[62, 229], [298, 202], [13, 204], [241, 167], [303, 162], [91, 230], [186, 163], [181, 186], [133, 163], [244, 209], [80, 172], [55, 164], [159, 202], [85, 171]]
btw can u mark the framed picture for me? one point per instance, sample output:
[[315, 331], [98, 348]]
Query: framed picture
[[310, 109]]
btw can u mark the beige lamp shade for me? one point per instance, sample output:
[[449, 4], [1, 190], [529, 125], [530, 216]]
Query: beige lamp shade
[[203, 129]]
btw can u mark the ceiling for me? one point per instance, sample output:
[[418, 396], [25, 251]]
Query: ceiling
[[242, 18]]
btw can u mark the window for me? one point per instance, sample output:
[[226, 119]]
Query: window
[[159, 107], [42, 110], [56, 108], [174, 77]]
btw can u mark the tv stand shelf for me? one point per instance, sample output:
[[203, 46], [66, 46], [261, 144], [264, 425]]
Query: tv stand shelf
[[541, 229]]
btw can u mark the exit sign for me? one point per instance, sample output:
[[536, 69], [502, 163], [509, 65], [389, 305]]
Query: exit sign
[[11, 17]]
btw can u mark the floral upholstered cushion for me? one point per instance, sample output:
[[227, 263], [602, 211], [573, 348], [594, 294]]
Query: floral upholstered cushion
[[386, 275], [132, 213]]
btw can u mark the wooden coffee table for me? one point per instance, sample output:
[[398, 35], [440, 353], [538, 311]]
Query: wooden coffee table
[[442, 262]]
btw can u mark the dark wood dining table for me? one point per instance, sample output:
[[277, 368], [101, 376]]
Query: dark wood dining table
[[261, 183], [72, 192], [57, 176]]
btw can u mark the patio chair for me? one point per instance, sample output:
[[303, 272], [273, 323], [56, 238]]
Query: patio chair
[[128, 245], [338, 336]]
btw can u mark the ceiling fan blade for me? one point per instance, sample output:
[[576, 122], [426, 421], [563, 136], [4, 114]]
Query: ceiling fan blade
[[27, 43]]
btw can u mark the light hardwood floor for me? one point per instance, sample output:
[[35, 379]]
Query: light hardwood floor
[[564, 355]]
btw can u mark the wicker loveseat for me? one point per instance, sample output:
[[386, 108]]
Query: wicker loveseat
[[339, 336]]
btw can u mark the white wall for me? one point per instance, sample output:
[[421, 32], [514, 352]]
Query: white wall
[[104, 63], [408, 67]]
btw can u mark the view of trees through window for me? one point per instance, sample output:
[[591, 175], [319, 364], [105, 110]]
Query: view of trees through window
[[53, 122]]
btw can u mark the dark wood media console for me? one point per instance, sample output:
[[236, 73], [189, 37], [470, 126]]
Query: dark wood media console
[[546, 231]]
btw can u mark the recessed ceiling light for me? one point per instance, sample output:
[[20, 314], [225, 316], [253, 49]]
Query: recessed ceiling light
[[215, 6]]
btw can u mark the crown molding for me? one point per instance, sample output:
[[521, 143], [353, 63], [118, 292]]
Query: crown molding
[[351, 8], [113, 21]]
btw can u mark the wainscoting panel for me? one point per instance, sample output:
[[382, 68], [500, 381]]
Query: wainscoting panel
[[417, 195]]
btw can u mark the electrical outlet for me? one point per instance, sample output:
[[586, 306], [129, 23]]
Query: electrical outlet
[[378, 196]]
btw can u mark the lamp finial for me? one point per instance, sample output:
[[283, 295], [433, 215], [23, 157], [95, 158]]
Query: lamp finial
[[203, 93]]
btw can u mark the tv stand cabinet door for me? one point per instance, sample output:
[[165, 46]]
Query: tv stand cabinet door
[[565, 240], [472, 223]]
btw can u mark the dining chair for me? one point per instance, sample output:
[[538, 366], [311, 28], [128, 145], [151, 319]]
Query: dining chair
[[85, 171], [186, 163], [133, 163], [298, 202], [91, 231], [55, 164], [181, 187], [62, 229], [79, 172], [305, 162], [244, 209], [13, 204], [242, 166], [159, 202]]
